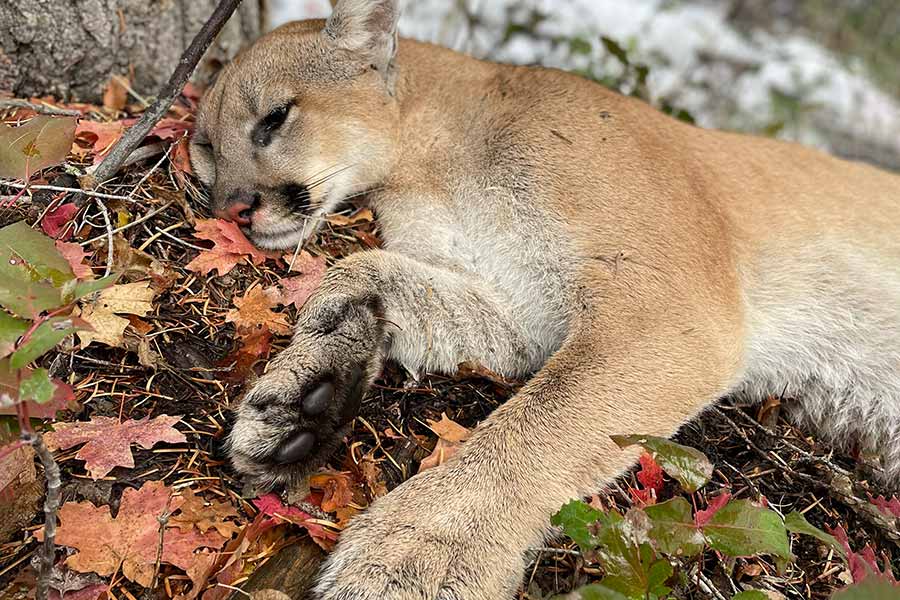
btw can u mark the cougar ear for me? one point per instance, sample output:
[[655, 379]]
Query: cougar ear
[[367, 28]]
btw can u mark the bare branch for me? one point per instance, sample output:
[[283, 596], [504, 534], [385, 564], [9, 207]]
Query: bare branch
[[47, 554]]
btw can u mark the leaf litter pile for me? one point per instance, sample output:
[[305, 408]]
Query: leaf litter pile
[[140, 353]]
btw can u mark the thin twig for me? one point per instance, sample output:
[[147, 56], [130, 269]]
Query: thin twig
[[43, 109], [109, 236], [189, 59], [163, 520], [56, 188], [47, 554]]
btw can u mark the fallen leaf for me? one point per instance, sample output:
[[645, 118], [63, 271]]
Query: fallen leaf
[[195, 512], [449, 430], [297, 290], [56, 221], [129, 541], [270, 505], [108, 442], [253, 347], [888, 507], [199, 572], [115, 95], [75, 255], [687, 465], [20, 491], [102, 315], [99, 137], [374, 477], [181, 157], [450, 437], [168, 128], [254, 312], [336, 488], [861, 564], [230, 247], [40, 143]]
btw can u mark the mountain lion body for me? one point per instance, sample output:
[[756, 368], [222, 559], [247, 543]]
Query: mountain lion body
[[535, 222]]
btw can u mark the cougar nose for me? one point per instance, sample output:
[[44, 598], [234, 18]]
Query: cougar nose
[[239, 207]]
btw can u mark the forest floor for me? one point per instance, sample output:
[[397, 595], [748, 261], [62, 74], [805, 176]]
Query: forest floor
[[191, 351]]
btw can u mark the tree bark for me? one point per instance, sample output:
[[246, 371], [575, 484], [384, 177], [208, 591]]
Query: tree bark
[[70, 48]]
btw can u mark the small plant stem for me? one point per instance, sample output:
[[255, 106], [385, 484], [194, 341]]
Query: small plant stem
[[189, 59], [47, 553]]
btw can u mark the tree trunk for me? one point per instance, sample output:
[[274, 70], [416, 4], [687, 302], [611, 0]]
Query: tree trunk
[[70, 48]]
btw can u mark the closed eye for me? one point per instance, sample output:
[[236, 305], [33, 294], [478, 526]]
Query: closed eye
[[268, 125]]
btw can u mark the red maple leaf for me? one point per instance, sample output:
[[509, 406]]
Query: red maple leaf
[[230, 246], [75, 255], [99, 136], [108, 442], [650, 477], [297, 290], [702, 517], [56, 221], [271, 505], [889, 507], [131, 538], [861, 564]]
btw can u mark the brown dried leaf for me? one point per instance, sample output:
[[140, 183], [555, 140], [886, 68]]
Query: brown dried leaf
[[115, 95], [102, 314], [195, 512], [108, 442], [131, 539], [449, 430], [336, 488], [254, 312]]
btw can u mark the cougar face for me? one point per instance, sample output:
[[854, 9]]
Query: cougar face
[[296, 125]]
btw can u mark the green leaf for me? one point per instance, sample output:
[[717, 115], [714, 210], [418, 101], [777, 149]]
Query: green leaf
[[11, 329], [673, 529], [741, 529], [750, 595], [594, 592], [797, 523], [613, 47], [576, 519], [37, 387], [34, 276], [637, 573], [85, 288], [870, 588], [579, 45], [43, 339], [688, 466], [40, 143]]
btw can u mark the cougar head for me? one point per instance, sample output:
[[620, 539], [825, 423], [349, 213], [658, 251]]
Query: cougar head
[[301, 121]]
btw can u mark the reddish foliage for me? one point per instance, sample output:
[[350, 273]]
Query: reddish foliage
[[75, 255], [650, 476], [230, 247], [270, 505], [861, 564], [108, 442], [55, 222], [889, 507], [702, 517]]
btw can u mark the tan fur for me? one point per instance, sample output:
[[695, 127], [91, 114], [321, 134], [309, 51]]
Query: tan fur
[[537, 222]]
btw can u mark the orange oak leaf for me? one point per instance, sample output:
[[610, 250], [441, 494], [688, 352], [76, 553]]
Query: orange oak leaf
[[336, 488], [253, 347], [75, 255], [115, 94], [450, 436], [131, 538], [230, 246], [108, 442], [254, 312], [195, 512], [296, 290]]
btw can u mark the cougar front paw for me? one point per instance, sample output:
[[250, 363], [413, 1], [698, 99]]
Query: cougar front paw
[[293, 418], [429, 539]]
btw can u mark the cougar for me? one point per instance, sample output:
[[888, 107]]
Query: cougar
[[635, 267]]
